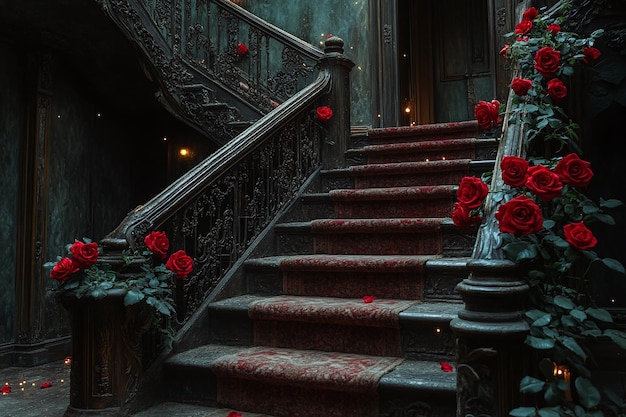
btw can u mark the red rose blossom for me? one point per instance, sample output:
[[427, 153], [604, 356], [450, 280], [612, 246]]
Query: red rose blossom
[[368, 299], [6, 389], [544, 183], [471, 192], [530, 14], [462, 217], [487, 114], [180, 264], [242, 49], [556, 89], [547, 61], [579, 236], [554, 28], [523, 27], [520, 86], [84, 254], [514, 170], [63, 269], [574, 171], [157, 243], [591, 54], [323, 113], [519, 216]]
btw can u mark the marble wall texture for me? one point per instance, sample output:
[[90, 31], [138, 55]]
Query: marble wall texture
[[314, 21]]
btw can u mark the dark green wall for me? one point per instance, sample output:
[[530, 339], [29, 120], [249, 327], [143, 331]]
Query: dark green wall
[[11, 129]]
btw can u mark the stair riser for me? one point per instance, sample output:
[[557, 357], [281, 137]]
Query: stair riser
[[434, 207], [422, 155], [451, 242], [411, 179], [378, 341], [289, 401]]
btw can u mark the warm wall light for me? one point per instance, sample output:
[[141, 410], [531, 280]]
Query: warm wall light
[[563, 372], [184, 152]]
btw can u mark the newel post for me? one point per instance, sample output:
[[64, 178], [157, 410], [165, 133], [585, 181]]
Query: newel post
[[490, 332], [338, 100]]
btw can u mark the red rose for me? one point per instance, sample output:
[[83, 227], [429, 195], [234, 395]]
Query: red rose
[[579, 236], [554, 28], [544, 183], [462, 218], [157, 243], [63, 269], [547, 61], [514, 171], [519, 216], [368, 299], [323, 113], [180, 264], [530, 14], [591, 54], [446, 367], [520, 86], [6, 389], [242, 49], [522, 39], [556, 89], [574, 171], [471, 192], [487, 114], [84, 254], [523, 27], [504, 51]]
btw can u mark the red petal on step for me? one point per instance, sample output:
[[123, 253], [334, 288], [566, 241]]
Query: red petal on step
[[234, 414], [446, 367], [5, 389], [368, 299], [46, 384]]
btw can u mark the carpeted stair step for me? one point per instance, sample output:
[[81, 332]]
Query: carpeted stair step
[[293, 383], [428, 277], [329, 324], [426, 151], [423, 326], [433, 131], [394, 202], [430, 236]]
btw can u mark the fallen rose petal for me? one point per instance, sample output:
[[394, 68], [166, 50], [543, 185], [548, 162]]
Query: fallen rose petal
[[46, 384], [6, 389], [368, 299], [234, 414], [446, 367]]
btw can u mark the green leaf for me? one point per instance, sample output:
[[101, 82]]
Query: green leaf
[[588, 394], [600, 314], [564, 302], [618, 337], [539, 343], [530, 385], [571, 344], [133, 297], [578, 315], [542, 321], [614, 264], [611, 203], [550, 412], [523, 412], [98, 293], [605, 218]]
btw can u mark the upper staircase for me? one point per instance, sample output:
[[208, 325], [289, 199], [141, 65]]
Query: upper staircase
[[348, 311]]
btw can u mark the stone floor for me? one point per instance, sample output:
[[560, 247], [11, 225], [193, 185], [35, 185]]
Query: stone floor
[[28, 397]]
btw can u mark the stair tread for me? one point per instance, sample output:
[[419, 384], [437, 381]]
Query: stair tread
[[310, 261], [425, 129], [394, 193], [416, 311], [410, 374], [403, 147]]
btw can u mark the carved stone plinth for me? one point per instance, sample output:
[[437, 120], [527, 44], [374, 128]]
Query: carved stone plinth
[[490, 333]]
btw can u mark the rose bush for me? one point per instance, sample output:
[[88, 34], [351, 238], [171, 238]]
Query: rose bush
[[81, 273]]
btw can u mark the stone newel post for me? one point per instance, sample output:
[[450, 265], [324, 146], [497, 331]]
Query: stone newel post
[[338, 100], [490, 335]]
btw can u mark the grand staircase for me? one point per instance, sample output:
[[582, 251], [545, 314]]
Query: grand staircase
[[349, 312]]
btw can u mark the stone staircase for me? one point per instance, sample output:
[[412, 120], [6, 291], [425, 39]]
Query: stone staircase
[[350, 314]]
